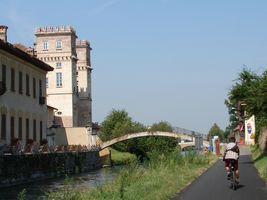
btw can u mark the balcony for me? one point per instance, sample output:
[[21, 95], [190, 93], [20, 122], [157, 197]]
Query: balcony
[[42, 100], [2, 87]]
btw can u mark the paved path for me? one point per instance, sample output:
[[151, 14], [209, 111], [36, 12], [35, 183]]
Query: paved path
[[213, 185]]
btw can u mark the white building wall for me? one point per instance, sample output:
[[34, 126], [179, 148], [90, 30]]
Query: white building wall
[[20, 105]]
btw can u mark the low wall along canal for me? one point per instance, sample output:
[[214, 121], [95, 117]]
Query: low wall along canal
[[16, 169]]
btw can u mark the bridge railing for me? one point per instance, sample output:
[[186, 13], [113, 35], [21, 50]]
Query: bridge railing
[[187, 132]]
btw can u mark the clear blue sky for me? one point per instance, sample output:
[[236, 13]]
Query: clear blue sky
[[171, 60]]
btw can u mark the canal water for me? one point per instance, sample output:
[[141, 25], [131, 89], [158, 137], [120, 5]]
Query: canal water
[[83, 181]]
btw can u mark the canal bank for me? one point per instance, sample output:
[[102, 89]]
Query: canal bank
[[26, 168], [82, 182], [158, 178]]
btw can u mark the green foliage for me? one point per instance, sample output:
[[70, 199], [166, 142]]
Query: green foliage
[[115, 124], [66, 192], [161, 126], [22, 195], [159, 178], [260, 161], [249, 90], [215, 130], [121, 158]]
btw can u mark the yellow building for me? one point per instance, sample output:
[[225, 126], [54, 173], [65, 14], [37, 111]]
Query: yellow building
[[23, 110]]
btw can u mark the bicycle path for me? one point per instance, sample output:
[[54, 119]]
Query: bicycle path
[[213, 184]]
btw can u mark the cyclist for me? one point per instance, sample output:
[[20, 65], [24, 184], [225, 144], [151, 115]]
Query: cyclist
[[231, 153]]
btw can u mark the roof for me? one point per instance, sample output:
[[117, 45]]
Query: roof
[[21, 47], [6, 46], [51, 107]]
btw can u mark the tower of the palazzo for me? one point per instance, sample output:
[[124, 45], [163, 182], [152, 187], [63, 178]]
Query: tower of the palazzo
[[56, 46], [84, 82]]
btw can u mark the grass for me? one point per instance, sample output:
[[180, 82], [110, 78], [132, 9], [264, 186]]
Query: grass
[[260, 161], [121, 158], [159, 178]]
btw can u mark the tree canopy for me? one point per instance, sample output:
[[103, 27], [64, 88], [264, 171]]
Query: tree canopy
[[249, 93], [215, 130], [118, 123]]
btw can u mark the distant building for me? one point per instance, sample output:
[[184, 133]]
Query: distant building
[[23, 110], [69, 85]]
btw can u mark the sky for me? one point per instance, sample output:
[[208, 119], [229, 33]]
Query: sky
[[160, 60]]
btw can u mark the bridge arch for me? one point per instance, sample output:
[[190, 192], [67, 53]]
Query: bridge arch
[[142, 134]]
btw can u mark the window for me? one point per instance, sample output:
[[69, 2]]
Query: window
[[27, 129], [3, 126], [41, 131], [58, 65], [46, 82], [12, 83], [20, 128], [12, 127], [20, 83], [4, 73], [34, 130], [40, 88], [34, 88], [45, 45], [58, 44], [27, 85], [59, 79]]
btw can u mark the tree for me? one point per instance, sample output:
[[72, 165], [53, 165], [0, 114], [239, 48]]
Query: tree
[[250, 90], [118, 123], [243, 91], [215, 130], [161, 126], [115, 124]]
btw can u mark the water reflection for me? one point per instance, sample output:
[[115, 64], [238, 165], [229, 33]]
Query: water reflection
[[82, 181]]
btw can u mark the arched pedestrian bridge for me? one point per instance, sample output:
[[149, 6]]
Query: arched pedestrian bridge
[[145, 134]]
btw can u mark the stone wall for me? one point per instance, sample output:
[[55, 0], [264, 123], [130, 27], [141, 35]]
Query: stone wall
[[263, 141], [17, 169]]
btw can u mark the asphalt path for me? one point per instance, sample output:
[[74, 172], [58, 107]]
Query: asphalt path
[[213, 184]]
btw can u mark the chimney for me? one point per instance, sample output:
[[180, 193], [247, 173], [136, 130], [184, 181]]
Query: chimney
[[3, 33]]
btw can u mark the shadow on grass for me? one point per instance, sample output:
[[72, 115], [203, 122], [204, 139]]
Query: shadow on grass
[[260, 157]]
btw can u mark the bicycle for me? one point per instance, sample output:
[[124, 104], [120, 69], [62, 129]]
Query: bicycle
[[233, 179]]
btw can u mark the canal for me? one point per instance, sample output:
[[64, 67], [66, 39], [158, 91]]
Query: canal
[[83, 181]]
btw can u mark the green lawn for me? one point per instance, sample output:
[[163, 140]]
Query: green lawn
[[121, 158], [260, 161]]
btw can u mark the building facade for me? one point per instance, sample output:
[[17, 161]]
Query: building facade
[[23, 110], [69, 85]]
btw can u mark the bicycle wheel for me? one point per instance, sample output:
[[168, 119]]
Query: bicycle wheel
[[233, 181]]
